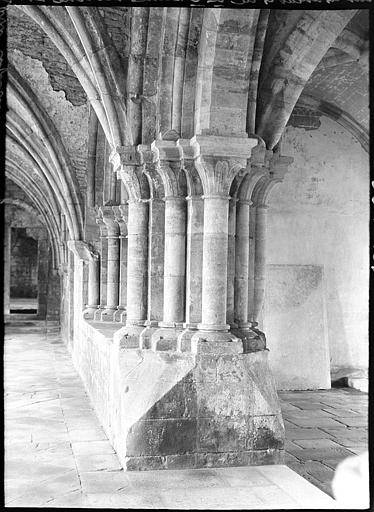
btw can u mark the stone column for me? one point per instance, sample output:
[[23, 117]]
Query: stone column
[[278, 166], [230, 309], [112, 264], [251, 262], [194, 247], [241, 264], [174, 261], [260, 261], [121, 215], [218, 160], [7, 259], [215, 245], [83, 256], [103, 268], [156, 249], [167, 154], [93, 287], [128, 163], [156, 246], [195, 222], [137, 263]]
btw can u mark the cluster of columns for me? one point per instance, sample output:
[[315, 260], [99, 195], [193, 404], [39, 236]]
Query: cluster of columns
[[186, 252]]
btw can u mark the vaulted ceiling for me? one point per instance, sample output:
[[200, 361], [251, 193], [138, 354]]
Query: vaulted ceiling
[[169, 71]]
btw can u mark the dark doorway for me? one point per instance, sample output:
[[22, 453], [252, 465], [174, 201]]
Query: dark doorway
[[23, 273]]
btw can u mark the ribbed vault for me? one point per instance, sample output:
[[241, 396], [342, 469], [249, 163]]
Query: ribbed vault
[[198, 71]]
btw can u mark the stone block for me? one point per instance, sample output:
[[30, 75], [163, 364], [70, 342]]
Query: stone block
[[222, 434], [267, 432], [172, 404], [143, 463], [154, 437], [183, 461]]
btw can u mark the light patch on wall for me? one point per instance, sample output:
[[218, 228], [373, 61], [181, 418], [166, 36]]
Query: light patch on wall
[[71, 121]]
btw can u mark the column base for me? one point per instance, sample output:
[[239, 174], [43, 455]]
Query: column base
[[89, 312], [108, 314], [252, 339], [165, 338], [219, 341], [213, 327], [146, 334], [128, 336], [185, 337], [97, 314], [120, 315]]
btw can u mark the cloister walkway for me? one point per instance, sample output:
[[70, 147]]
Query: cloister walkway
[[57, 455]]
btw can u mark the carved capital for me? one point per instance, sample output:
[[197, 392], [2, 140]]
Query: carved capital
[[82, 250], [277, 168], [258, 170], [128, 163], [149, 160], [121, 216], [219, 159], [109, 219], [168, 163], [123, 156], [194, 185]]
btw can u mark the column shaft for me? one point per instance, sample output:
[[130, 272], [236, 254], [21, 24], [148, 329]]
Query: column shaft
[[174, 260], [123, 272], [113, 272], [7, 259], [241, 263], [214, 296], [156, 247], [230, 317], [103, 270], [260, 261], [251, 262], [194, 268], [137, 263], [93, 283]]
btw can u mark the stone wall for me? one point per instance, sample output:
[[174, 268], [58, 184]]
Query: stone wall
[[319, 216]]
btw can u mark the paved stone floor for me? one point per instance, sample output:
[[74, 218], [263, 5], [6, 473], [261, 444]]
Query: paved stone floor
[[57, 455], [323, 428]]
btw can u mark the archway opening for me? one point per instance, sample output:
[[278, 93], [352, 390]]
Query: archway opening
[[23, 273]]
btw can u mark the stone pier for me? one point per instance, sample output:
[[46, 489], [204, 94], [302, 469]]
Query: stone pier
[[183, 385]]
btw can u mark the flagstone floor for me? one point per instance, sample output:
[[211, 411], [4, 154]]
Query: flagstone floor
[[57, 455], [323, 428]]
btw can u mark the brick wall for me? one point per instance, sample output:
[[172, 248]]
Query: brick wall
[[306, 118], [30, 39]]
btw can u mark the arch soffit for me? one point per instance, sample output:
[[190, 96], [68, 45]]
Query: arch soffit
[[291, 66], [338, 115], [43, 144], [79, 35]]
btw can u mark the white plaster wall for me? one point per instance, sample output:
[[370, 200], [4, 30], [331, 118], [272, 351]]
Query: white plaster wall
[[319, 215]]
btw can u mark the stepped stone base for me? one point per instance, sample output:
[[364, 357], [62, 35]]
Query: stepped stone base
[[213, 407]]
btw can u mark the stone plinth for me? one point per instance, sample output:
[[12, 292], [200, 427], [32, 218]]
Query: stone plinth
[[216, 406]]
